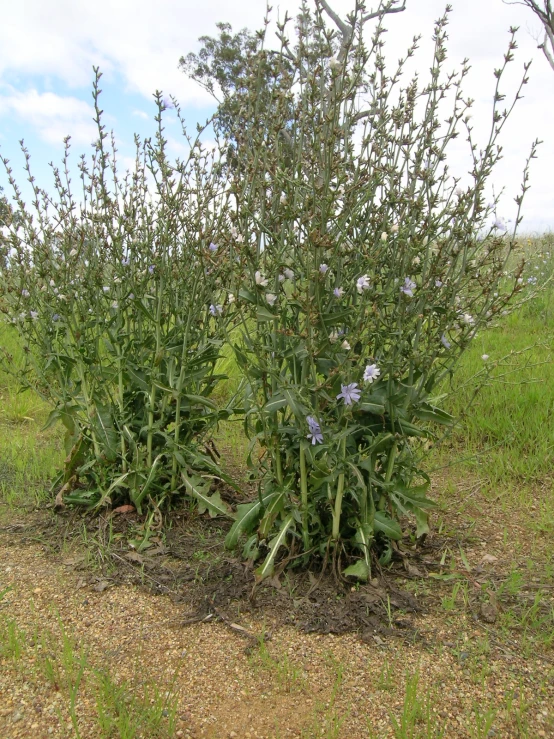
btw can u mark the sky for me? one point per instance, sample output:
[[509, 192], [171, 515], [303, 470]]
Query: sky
[[48, 50]]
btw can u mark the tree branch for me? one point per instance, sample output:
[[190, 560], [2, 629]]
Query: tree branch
[[341, 25], [546, 51], [384, 11]]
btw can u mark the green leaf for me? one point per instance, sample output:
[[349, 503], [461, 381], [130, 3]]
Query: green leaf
[[359, 571], [409, 429], [387, 526], [415, 496], [196, 487], [247, 516], [266, 569], [426, 412], [275, 403], [271, 512], [201, 400], [422, 522], [377, 408], [137, 499], [137, 378], [265, 315], [144, 310], [104, 430], [250, 297]]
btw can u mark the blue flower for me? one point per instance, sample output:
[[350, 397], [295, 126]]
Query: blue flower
[[151, 269], [315, 431], [125, 262], [323, 268], [445, 342], [408, 287], [56, 317], [338, 292], [212, 247], [350, 393], [216, 310]]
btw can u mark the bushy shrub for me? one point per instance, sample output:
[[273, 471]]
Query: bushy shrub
[[115, 287], [365, 272]]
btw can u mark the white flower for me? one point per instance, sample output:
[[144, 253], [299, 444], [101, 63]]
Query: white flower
[[25, 293], [334, 63], [115, 304], [33, 314], [371, 373], [346, 346], [384, 236], [260, 279], [239, 239], [439, 283], [230, 298], [216, 310], [416, 261], [281, 278], [289, 274], [73, 253], [106, 289], [271, 298], [52, 283], [394, 228], [283, 199], [363, 283], [333, 337], [485, 357], [468, 319]]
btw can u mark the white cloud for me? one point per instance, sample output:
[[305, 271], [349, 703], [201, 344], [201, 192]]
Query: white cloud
[[53, 116], [137, 45]]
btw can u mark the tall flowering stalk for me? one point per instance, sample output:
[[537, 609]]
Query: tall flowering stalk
[[112, 286], [363, 273]]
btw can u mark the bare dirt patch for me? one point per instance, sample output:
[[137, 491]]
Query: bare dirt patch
[[305, 657]]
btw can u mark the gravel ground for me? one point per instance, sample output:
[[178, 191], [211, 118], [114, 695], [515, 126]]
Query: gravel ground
[[297, 685]]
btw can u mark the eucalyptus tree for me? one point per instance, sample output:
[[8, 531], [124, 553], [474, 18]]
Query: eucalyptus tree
[[544, 11]]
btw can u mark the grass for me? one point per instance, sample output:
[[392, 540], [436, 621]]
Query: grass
[[505, 443], [121, 709]]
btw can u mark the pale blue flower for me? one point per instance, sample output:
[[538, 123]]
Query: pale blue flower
[[56, 317], [350, 393], [216, 310], [445, 342], [33, 314], [438, 283], [532, 280], [125, 262], [363, 283], [408, 287], [500, 224], [323, 268], [25, 293], [371, 373], [338, 292], [212, 247], [315, 431], [151, 269]]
